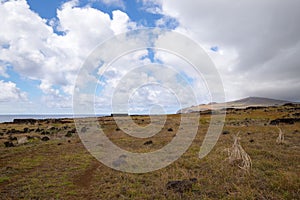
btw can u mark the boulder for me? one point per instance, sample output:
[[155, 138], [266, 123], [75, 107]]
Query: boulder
[[181, 186], [45, 138], [83, 129], [148, 142], [22, 140], [9, 144]]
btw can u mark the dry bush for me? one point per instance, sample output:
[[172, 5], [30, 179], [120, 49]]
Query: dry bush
[[280, 138], [238, 155]]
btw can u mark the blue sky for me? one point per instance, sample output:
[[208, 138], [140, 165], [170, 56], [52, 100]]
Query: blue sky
[[44, 43], [38, 100]]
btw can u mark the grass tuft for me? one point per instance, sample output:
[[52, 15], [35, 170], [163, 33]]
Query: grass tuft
[[237, 155], [280, 138]]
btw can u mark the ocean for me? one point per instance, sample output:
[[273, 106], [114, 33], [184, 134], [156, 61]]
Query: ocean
[[10, 118]]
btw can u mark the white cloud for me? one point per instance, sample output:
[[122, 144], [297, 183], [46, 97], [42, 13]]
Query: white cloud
[[11, 93], [121, 22], [259, 39], [35, 51]]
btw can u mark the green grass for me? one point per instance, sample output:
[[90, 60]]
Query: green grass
[[4, 179]]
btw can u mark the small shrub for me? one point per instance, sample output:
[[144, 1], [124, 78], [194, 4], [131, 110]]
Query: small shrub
[[69, 134], [280, 138], [238, 155]]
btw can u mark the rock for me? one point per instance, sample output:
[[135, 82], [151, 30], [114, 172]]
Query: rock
[[12, 138], [181, 186], [148, 142], [83, 129], [30, 137], [24, 121], [225, 132], [45, 138], [22, 140], [45, 132], [170, 129], [9, 144], [251, 140], [26, 130], [69, 134], [51, 128], [284, 121], [120, 161]]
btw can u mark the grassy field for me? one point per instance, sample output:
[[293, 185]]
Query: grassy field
[[61, 168]]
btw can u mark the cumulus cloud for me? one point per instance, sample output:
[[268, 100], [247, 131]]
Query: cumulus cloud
[[259, 42], [11, 93], [38, 52]]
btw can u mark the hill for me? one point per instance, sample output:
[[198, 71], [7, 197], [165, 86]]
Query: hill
[[238, 104]]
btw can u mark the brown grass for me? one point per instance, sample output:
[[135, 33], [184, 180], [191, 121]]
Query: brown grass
[[63, 169], [280, 138], [236, 154]]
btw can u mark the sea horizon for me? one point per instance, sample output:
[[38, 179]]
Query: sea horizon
[[11, 117]]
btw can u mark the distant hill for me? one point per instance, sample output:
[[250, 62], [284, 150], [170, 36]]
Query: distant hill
[[242, 103]]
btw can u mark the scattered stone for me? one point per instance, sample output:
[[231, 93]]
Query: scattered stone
[[181, 186], [51, 128], [148, 142], [26, 130], [9, 144], [120, 161], [170, 129], [12, 138], [284, 121], [251, 140], [296, 131], [118, 129], [225, 132], [69, 134], [296, 114], [30, 137], [248, 133], [83, 129], [45, 132], [59, 144], [22, 140], [45, 138]]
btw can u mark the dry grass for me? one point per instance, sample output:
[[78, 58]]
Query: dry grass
[[280, 138], [237, 155], [63, 169]]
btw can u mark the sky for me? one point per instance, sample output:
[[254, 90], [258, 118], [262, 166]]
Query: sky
[[254, 45]]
